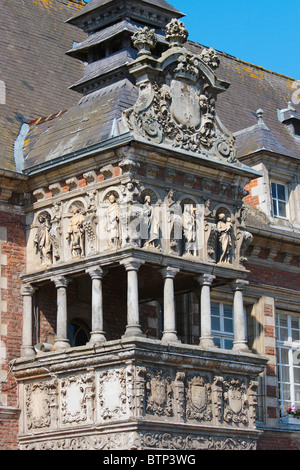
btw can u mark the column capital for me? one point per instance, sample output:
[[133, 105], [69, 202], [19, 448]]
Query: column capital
[[239, 284], [132, 264], [28, 289], [169, 272], [206, 279], [60, 281], [95, 272]]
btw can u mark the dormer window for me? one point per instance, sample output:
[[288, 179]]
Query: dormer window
[[280, 199], [291, 118]]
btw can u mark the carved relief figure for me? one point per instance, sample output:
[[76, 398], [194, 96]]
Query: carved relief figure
[[150, 233], [112, 222], [42, 241], [173, 220], [224, 229], [189, 229], [130, 215], [75, 234]]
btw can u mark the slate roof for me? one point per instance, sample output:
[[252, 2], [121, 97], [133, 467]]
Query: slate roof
[[251, 88], [34, 66], [95, 4], [47, 73], [83, 126]]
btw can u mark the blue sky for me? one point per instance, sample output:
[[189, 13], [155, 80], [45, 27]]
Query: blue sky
[[263, 32]]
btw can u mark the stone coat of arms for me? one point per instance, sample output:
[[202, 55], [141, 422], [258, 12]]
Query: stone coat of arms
[[176, 103]]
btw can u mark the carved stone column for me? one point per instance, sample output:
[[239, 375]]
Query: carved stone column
[[206, 339], [97, 333], [61, 341], [169, 333], [133, 327], [27, 347], [240, 340]]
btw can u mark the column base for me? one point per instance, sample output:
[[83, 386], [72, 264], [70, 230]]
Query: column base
[[62, 343], [97, 337], [240, 346], [170, 337], [133, 330], [207, 342], [28, 351]]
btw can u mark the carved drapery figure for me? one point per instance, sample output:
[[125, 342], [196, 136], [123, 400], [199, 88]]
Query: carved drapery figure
[[189, 229], [173, 221], [130, 215], [75, 234], [150, 233], [112, 222], [224, 229], [42, 241]]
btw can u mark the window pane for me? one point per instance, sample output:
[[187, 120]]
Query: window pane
[[274, 192], [284, 357], [297, 393], [217, 341], [275, 207], [281, 209], [295, 336], [228, 325], [215, 309], [228, 343], [297, 375], [281, 192], [295, 322], [283, 320], [283, 334], [286, 392], [215, 323], [284, 374], [228, 311]]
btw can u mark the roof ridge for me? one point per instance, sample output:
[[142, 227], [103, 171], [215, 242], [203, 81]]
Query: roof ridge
[[260, 67]]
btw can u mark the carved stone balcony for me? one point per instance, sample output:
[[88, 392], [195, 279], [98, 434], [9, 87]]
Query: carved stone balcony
[[138, 393]]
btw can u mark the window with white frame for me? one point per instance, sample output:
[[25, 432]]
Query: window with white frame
[[288, 351], [222, 325], [280, 199]]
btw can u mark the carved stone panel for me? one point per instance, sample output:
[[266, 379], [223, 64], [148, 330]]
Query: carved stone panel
[[113, 403], [77, 399], [199, 399], [159, 394]]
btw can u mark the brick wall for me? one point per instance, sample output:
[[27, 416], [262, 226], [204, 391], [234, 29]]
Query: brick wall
[[275, 441], [12, 261], [273, 277]]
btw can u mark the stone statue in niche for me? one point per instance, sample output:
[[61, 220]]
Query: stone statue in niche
[[112, 222], [75, 235], [42, 241], [130, 213], [189, 230], [150, 227], [224, 230], [173, 221]]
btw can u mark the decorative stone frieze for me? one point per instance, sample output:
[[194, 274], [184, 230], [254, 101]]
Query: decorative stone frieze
[[121, 386]]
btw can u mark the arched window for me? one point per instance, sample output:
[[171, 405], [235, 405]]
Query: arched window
[[78, 333]]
